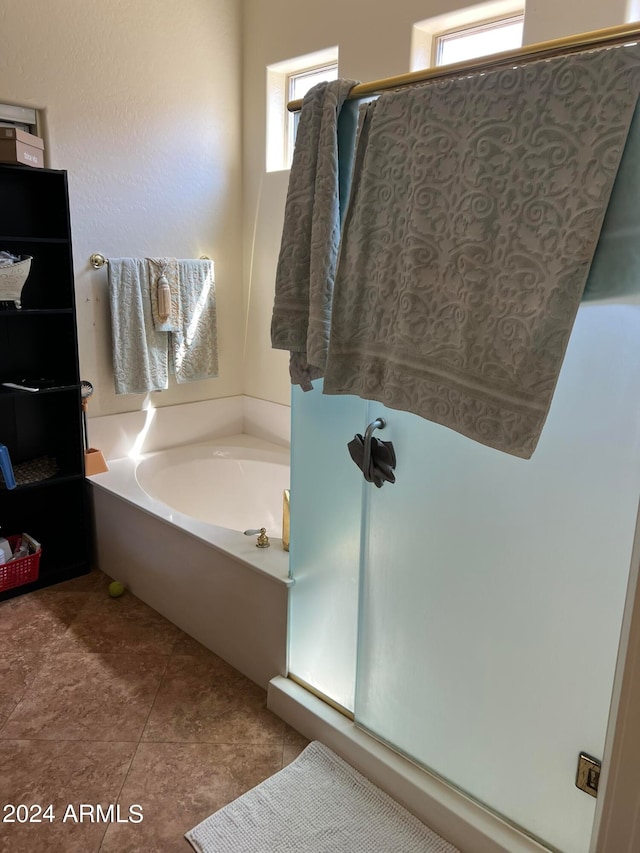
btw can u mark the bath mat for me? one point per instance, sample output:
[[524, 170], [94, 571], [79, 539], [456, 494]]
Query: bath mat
[[318, 804]]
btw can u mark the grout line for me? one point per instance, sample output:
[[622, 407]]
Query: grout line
[[269, 744], [9, 715], [119, 793], [151, 707], [138, 743]]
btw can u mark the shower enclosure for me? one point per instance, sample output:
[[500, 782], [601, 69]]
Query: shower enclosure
[[469, 614]]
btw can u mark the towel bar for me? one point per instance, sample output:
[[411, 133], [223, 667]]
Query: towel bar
[[97, 260]]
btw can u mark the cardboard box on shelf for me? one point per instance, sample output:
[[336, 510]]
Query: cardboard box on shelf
[[18, 146]]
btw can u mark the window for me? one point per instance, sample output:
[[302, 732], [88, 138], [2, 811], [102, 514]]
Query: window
[[478, 30], [22, 118], [289, 81], [479, 40], [297, 87]]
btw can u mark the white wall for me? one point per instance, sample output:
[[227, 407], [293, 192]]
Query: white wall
[[142, 107], [374, 42]]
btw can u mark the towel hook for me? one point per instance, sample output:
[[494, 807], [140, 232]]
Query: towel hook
[[379, 423]]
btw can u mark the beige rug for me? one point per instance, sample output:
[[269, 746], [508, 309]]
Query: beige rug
[[318, 804]]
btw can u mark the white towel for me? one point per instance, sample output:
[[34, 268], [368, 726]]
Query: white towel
[[140, 354], [194, 345], [143, 355]]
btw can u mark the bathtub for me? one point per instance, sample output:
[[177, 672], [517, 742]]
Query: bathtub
[[170, 525]]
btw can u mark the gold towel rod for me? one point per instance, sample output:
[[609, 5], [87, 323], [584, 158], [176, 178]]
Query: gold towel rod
[[97, 260], [542, 50]]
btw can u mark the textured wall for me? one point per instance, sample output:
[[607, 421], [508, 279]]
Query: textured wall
[[142, 107]]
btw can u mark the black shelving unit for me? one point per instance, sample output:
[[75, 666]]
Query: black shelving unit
[[39, 340]]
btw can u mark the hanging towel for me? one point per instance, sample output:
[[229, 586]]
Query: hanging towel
[[163, 273], [380, 466], [311, 235], [194, 346], [475, 209], [615, 270], [140, 355]]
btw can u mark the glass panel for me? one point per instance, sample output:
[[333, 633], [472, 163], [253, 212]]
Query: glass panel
[[305, 80], [299, 85], [479, 41], [326, 498], [494, 589]]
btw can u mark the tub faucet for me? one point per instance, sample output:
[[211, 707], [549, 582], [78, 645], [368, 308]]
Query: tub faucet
[[263, 539]]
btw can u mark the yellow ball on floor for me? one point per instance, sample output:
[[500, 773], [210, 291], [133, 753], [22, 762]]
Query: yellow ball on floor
[[116, 589]]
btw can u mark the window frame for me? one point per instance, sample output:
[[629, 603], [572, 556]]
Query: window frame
[[290, 95], [484, 25], [277, 97]]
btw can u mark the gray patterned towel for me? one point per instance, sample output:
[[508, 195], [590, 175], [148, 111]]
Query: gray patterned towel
[[311, 235], [475, 210]]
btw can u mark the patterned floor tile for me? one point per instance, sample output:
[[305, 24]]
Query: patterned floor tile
[[114, 625], [88, 697], [179, 785], [37, 621], [39, 774], [203, 699], [17, 671]]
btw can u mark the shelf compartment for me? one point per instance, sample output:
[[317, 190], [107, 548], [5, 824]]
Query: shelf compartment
[[12, 392], [37, 425], [50, 280], [25, 238], [55, 480], [34, 203], [57, 519], [32, 343]]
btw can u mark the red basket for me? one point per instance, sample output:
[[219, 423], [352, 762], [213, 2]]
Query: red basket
[[20, 571]]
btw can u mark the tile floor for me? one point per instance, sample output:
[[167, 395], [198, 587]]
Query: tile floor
[[103, 701]]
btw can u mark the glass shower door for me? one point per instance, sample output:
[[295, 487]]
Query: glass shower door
[[493, 589], [471, 612], [326, 516]]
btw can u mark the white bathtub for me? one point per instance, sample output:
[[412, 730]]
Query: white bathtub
[[230, 486], [170, 526]]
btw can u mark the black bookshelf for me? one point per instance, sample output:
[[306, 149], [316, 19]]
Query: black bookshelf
[[39, 341]]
